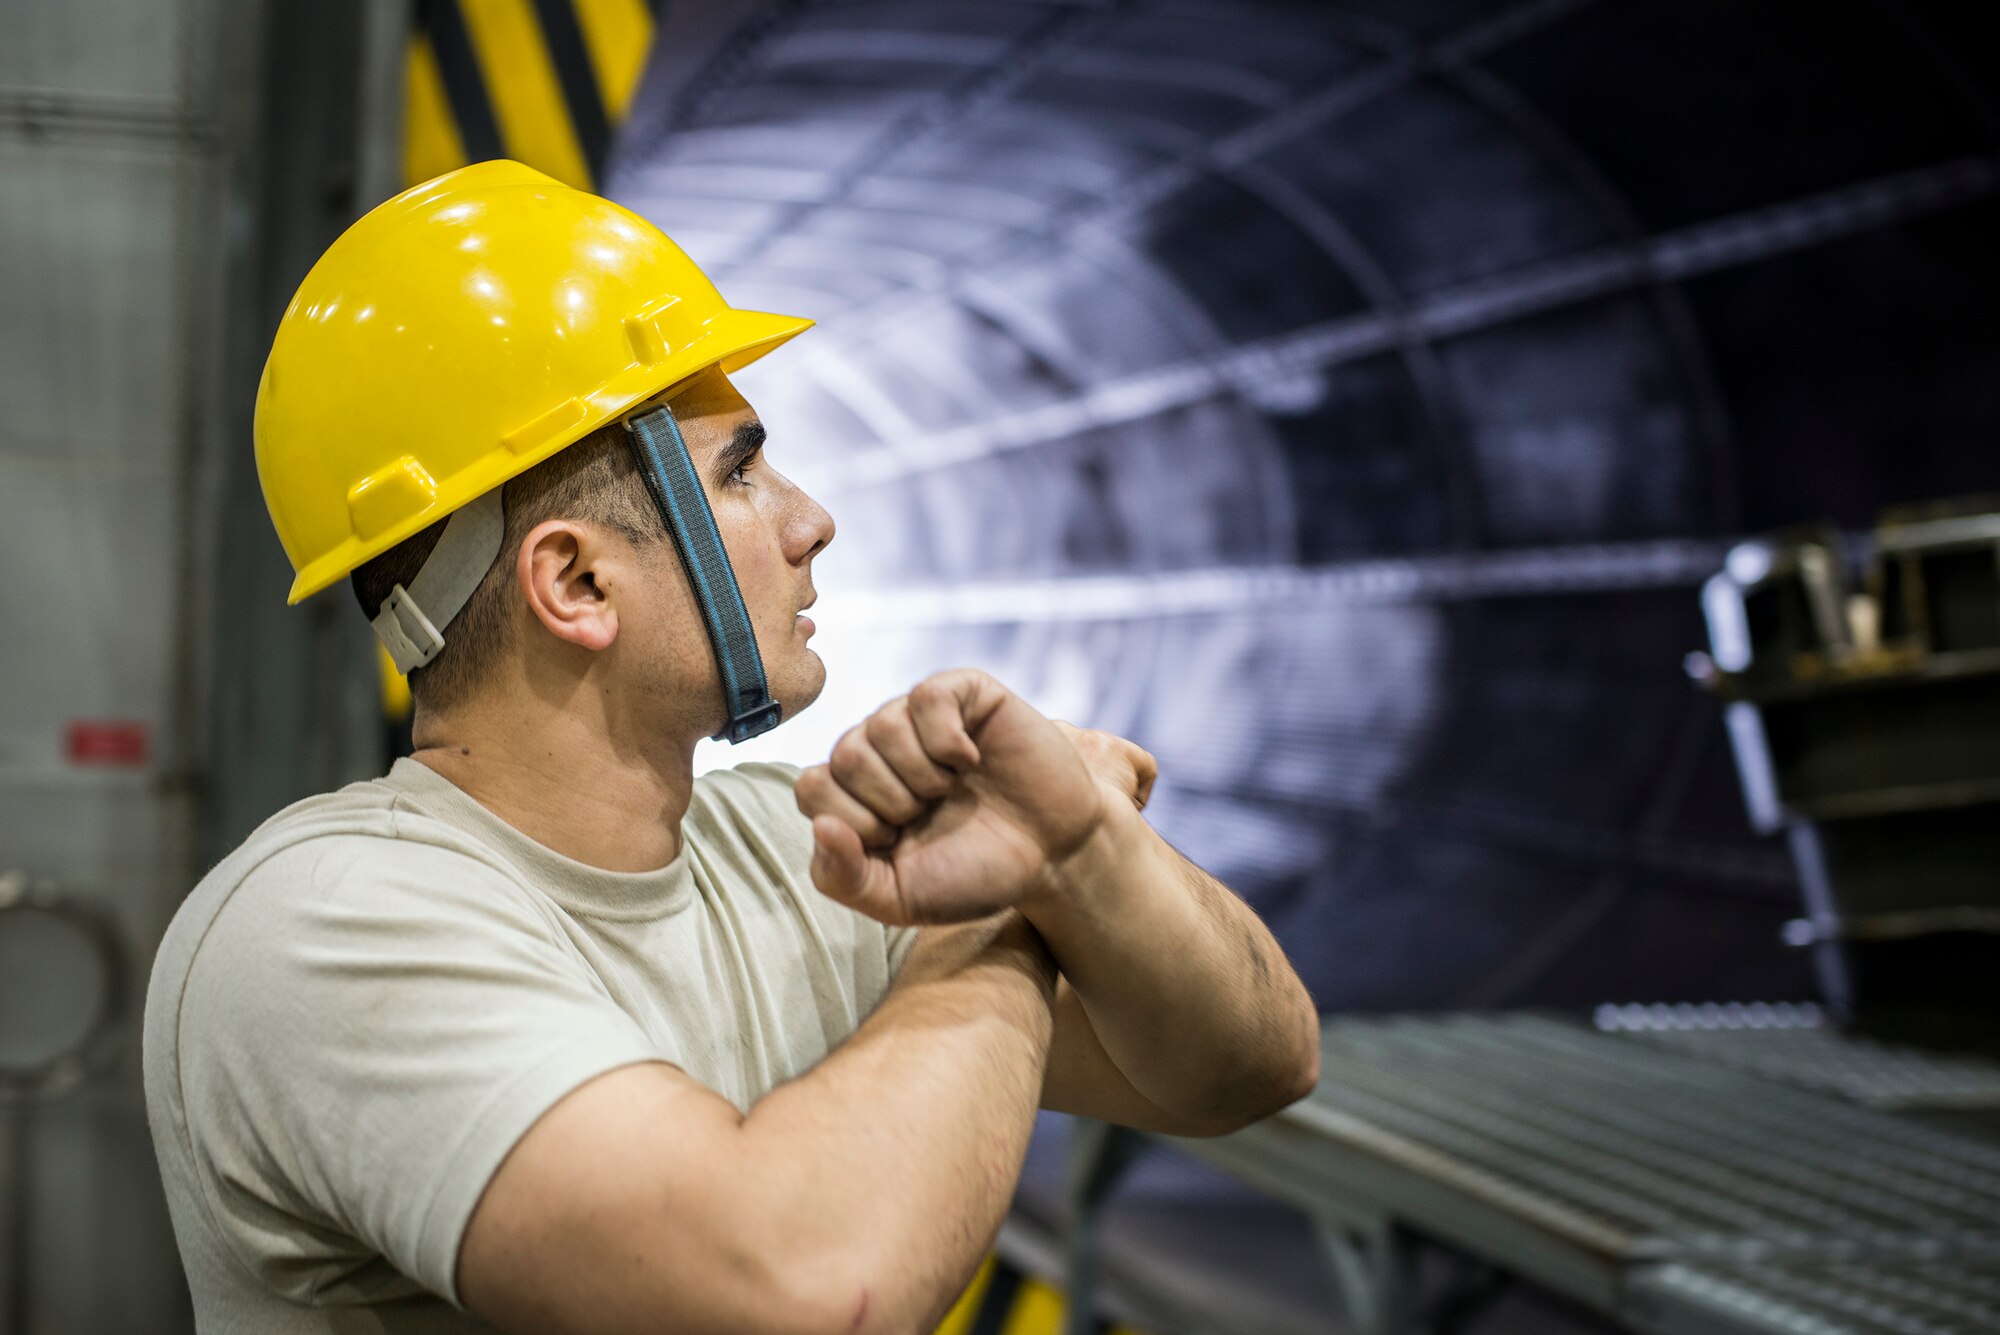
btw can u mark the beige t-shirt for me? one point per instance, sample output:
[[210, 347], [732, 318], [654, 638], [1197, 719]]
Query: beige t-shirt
[[358, 1013]]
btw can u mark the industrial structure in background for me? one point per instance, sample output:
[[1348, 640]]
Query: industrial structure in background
[[1864, 720], [1347, 400]]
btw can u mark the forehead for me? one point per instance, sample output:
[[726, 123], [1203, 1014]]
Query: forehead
[[707, 395]]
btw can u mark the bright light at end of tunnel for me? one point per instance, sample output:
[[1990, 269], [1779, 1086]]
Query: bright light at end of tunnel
[[871, 659], [872, 652]]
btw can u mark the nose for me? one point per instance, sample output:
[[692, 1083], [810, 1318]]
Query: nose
[[808, 528]]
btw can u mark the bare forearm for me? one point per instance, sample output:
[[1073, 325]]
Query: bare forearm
[[1186, 989], [901, 1150]]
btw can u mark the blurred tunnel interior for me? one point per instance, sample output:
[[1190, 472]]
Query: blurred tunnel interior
[[1343, 400], [1347, 400]]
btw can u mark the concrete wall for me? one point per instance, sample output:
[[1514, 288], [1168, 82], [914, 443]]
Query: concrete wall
[[117, 131]]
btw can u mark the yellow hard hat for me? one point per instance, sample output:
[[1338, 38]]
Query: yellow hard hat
[[461, 333]]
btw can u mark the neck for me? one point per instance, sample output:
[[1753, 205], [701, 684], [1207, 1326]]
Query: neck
[[563, 779]]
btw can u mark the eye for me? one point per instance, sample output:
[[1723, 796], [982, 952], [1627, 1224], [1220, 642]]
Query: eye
[[736, 474]]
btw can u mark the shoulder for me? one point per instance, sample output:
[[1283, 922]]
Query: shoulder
[[760, 783], [336, 908], [350, 1022], [262, 950], [752, 802], [338, 868], [363, 841]]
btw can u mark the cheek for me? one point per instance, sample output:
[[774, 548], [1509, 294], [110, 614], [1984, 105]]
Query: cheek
[[671, 621], [757, 568], [754, 553]]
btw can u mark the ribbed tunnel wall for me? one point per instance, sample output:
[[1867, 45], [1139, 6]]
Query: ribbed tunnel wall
[[1344, 401]]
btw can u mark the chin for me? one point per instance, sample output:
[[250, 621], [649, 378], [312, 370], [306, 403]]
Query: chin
[[799, 684]]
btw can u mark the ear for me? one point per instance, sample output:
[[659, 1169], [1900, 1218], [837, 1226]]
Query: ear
[[561, 569]]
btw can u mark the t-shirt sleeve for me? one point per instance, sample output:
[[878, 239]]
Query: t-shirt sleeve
[[367, 1028], [900, 941]]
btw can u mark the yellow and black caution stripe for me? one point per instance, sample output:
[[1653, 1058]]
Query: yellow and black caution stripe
[[545, 82]]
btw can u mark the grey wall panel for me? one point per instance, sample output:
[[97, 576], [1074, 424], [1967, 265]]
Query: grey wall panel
[[110, 237], [92, 327], [113, 841], [104, 48], [98, 606]]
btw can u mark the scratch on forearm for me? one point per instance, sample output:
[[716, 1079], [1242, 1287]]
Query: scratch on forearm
[[1220, 903], [1254, 947]]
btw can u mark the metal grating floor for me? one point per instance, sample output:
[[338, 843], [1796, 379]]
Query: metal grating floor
[[1638, 1154], [1820, 1298], [1881, 1075]]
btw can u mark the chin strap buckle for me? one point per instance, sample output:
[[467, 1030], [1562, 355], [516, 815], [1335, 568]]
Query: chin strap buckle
[[411, 622], [408, 635], [758, 719]]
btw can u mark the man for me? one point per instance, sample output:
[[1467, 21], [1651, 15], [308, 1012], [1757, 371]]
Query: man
[[540, 1033]]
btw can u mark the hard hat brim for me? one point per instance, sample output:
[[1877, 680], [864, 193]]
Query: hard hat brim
[[731, 340]]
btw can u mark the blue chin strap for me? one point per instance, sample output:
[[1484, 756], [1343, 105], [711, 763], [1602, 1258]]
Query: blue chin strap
[[676, 487]]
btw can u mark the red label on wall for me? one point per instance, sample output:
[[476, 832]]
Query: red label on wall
[[107, 742]]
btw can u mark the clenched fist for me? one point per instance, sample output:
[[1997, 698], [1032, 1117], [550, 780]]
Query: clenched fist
[[959, 800]]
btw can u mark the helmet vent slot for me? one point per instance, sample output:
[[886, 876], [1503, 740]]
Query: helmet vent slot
[[561, 419], [386, 497]]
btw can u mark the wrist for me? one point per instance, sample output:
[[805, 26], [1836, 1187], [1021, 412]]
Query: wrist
[[1081, 882]]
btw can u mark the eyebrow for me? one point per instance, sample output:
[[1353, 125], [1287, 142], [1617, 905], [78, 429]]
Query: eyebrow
[[749, 439]]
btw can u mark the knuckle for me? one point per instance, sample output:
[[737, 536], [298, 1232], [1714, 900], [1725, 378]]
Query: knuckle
[[850, 750], [887, 722], [930, 781]]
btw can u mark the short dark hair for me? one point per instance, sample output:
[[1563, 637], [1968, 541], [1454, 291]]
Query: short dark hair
[[595, 480]]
